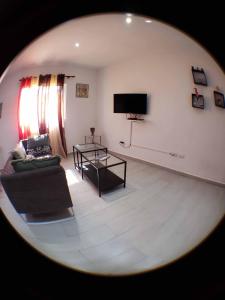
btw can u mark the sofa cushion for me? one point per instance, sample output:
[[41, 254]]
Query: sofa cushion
[[23, 144], [39, 140], [39, 151], [39, 146], [21, 165], [18, 152]]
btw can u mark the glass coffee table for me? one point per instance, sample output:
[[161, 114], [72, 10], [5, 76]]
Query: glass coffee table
[[86, 148], [95, 163], [98, 169]]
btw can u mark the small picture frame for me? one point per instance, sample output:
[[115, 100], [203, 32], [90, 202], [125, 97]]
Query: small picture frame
[[199, 76], [219, 99], [82, 90], [198, 101]]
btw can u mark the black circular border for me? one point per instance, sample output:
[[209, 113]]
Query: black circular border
[[199, 274]]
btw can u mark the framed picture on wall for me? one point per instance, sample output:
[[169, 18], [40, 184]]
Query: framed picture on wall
[[82, 90], [219, 99], [199, 76], [198, 101]]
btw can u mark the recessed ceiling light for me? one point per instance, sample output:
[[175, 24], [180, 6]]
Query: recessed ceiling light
[[129, 15], [148, 21], [128, 20], [77, 45]]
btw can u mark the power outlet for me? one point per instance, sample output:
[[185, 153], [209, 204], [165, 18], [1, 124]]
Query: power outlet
[[173, 154], [176, 155]]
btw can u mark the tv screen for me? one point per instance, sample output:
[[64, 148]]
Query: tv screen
[[130, 103]]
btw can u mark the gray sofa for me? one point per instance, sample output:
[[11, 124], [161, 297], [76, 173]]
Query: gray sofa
[[43, 190]]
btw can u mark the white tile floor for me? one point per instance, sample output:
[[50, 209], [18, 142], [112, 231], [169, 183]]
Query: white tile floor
[[157, 218]]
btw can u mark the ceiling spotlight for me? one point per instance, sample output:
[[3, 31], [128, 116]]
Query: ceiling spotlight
[[128, 20], [148, 21], [77, 45]]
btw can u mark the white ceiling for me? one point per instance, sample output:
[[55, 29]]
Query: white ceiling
[[104, 39]]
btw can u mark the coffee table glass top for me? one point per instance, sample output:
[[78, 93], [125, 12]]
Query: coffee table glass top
[[102, 160], [89, 147]]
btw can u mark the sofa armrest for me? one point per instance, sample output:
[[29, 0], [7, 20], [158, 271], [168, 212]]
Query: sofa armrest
[[37, 191]]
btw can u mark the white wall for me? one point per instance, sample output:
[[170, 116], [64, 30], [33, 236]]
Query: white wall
[[80, 112], [171, 125], [8, 121]]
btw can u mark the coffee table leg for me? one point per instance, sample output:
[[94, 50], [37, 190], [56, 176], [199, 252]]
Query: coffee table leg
[[77, 162], [125, 173], [74, 157], [99, 189], [82, 172]]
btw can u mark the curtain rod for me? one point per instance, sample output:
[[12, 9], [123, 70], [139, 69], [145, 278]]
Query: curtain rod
[[67, 76]]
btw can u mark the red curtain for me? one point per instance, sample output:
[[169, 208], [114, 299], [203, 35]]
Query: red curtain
[[61, 117], [24, 131], [49, 93]]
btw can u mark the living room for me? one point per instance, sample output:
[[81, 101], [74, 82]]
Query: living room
[[173, 135], [171, 80]]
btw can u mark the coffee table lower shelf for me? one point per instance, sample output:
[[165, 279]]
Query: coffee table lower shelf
[[106, 179]]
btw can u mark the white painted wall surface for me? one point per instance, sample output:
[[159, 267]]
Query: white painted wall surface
[[80, 112], [172, 124]]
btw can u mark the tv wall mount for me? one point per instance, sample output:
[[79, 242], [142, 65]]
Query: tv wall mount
[[131, 116]]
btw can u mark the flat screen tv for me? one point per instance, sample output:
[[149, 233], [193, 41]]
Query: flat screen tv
[[130, 103]]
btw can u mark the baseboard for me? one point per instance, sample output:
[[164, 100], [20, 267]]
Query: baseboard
[[169, 169], [166, 168]]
